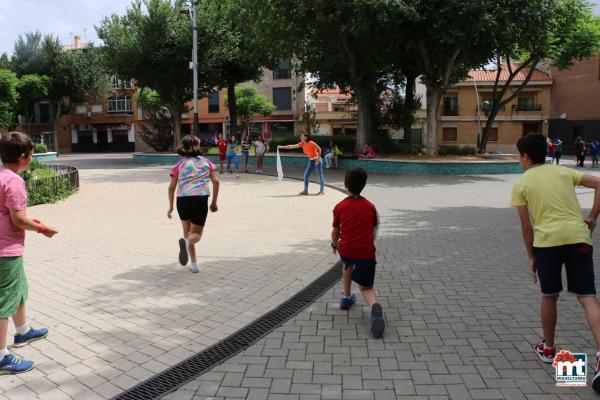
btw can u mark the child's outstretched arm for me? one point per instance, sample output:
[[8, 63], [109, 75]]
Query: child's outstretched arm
[[20, 219], [592, 182], [527, 231], [215, 183], [172, 187]]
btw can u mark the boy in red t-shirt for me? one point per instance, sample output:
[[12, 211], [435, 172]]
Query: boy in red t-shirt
[[353, 236], [222, 143]]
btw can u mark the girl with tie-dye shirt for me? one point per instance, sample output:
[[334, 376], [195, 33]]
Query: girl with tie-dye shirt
[[189, 180]]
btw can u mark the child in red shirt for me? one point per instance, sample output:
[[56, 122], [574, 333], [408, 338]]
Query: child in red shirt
[[222, 143], [353, 236]]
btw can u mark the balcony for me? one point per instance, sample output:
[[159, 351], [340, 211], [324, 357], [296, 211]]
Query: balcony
[[486, 108], [526, 107], [450, 111]]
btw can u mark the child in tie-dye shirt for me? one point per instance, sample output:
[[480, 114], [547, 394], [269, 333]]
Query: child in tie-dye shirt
[[189, 179]]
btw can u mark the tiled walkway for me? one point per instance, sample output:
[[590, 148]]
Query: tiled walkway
[[461, 310]]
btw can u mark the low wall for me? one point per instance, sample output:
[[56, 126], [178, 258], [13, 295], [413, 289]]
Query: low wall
[[51, 156], [401, 167]]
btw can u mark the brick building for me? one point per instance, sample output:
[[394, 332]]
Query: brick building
[[576, 102], [529, 112]]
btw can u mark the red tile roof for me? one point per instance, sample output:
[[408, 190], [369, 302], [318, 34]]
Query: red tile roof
[[490, 75]]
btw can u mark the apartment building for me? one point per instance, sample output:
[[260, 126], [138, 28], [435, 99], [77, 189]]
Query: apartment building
[[465, 107], [576, 102]]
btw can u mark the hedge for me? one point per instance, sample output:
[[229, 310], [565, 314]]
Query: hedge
[[446, 150], [40, 148]]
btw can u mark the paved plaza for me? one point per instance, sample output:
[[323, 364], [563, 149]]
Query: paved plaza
[[461, 310]]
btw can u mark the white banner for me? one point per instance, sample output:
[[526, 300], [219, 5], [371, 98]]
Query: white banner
[[279, 169]]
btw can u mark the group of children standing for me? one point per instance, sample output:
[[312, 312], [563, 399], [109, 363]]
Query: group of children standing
[[583, 148], [228, 152]]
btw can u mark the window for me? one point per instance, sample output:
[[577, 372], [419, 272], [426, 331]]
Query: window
[[213, 102], [341, 107], [117, 83], [81, 109], [44, 113], [450, 106], [282, 98], [337, 131], [119, 104], [120, 137], [97, 109], [350, 131], [526, 103], [486, 105], [85, 137], [449, 135], [283, 70], [493, 136]]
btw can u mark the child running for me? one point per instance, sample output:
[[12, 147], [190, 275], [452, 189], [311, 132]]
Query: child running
[[353, 236], [558, 235], [232, 155], [189, 177], [15, 152]]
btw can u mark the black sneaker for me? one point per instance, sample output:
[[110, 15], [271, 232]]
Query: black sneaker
[[377, 321], [183, 252], [596, 379]]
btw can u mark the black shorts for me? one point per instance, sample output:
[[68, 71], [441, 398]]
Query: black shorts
[[193, 208], [579, 266], [364, 270]]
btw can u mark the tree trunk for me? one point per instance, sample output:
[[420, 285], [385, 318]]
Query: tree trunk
[[488, 127], [176, 118], [231, 105], [409, 108], [365, 116], [434, 97]]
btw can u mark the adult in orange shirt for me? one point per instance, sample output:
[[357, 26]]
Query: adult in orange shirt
[[313, 152]]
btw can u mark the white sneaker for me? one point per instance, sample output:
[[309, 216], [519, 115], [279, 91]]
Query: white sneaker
[[194, 268]]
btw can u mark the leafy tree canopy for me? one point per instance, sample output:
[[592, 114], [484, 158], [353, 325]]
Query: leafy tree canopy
[[8, 97]]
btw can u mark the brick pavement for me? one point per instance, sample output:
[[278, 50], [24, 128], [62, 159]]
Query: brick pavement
[[461, 310], [121, 309]]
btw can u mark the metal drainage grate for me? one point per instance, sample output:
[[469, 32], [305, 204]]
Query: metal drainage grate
[[176, 376]]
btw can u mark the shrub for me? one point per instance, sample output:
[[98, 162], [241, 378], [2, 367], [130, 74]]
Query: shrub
[[446, 150], [413, 149], [40, 148], [48, 190], [157, 131]]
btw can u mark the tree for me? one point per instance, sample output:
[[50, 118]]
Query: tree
[[245, 55], [556, 32], [157, 126], [32, 89], [8, 98], [5, 62], [342, 44], [449, 37], [73, 76], [152, 43], [250, 103]]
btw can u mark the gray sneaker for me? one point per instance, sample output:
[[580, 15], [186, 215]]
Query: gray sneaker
[[377, 321], [194, 267]]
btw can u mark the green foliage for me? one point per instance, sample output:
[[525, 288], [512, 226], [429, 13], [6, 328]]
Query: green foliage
[[412, 149], [32, 89], [48, 190], [446, 150], [5, 62], [250, 103], [44, 186], [149, 100], [40, 148], [8, 98], [156, 130]]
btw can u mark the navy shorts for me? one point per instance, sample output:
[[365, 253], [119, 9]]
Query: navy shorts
[[364, 270], [193, 208], [579, 266]]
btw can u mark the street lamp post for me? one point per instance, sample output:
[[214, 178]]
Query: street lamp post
[[195, 62], [478, 113], [193, 13]]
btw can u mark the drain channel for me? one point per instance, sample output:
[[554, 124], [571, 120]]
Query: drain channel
[[178, 375]]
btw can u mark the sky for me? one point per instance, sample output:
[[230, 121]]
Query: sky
[[67, 18]]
